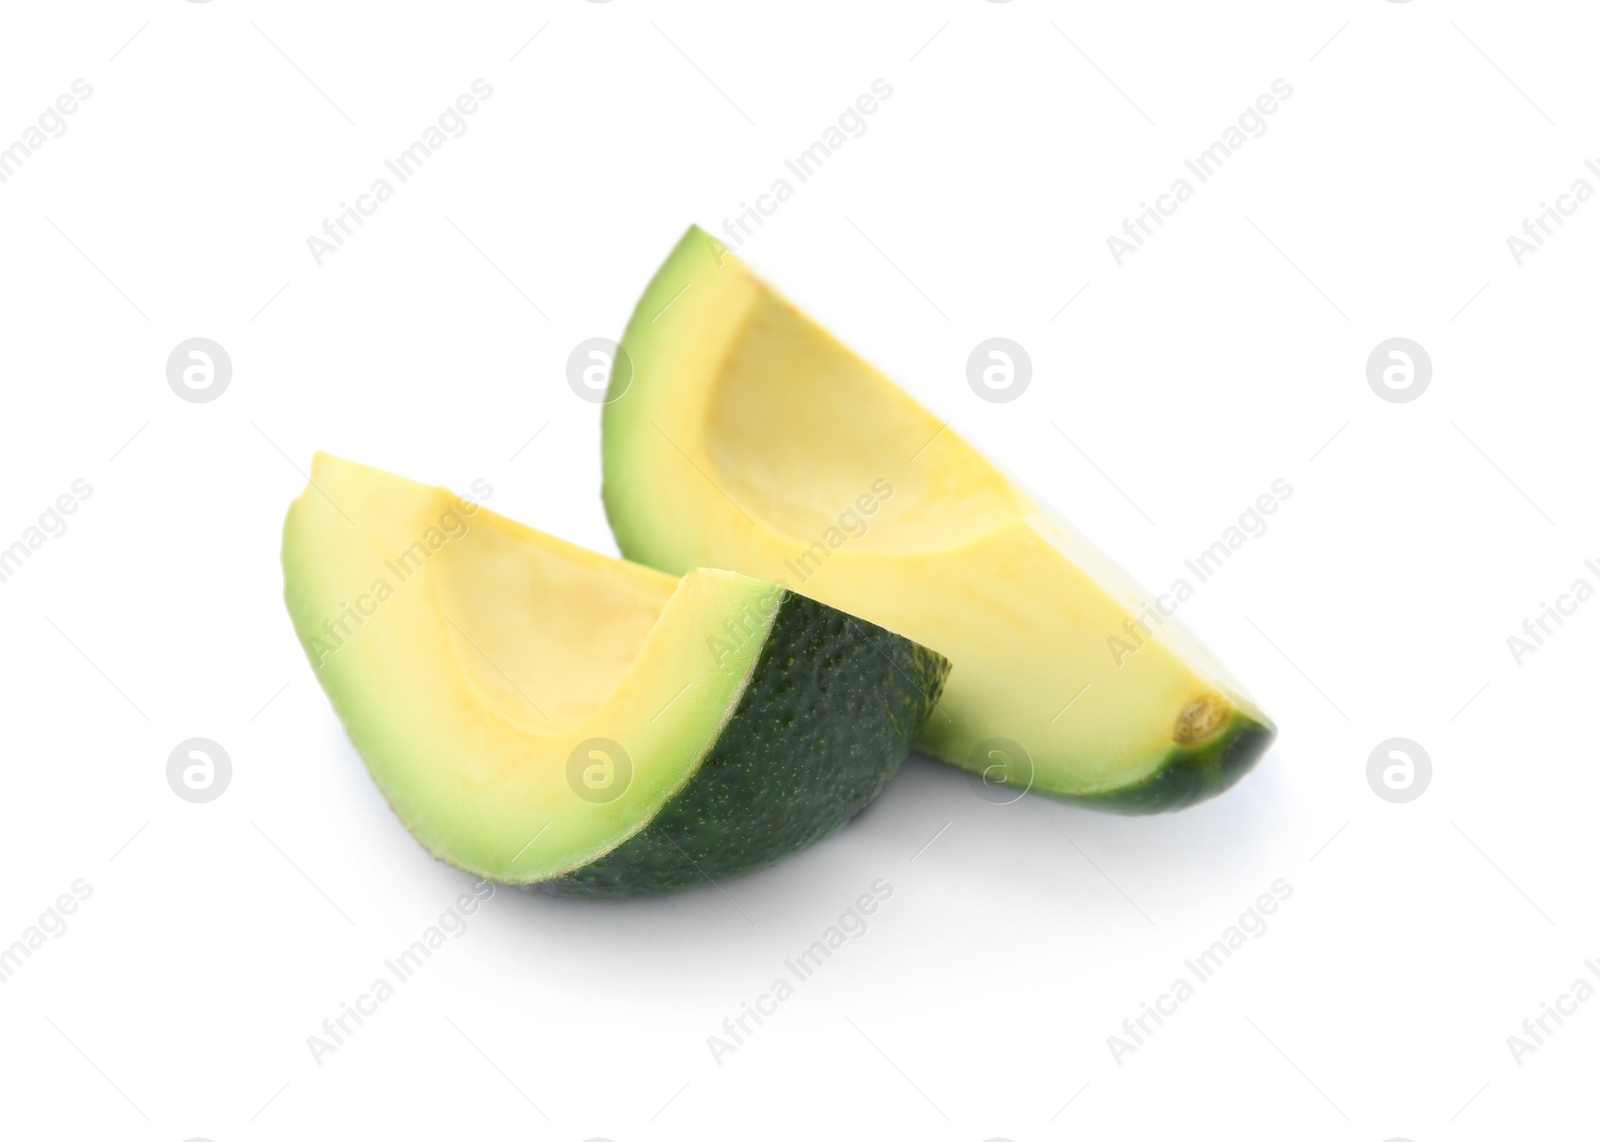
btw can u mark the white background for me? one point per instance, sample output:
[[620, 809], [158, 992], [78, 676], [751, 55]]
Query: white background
[[1227, 353]]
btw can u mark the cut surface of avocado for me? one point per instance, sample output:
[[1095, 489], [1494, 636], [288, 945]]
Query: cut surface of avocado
[[752, 439], [538, 713]]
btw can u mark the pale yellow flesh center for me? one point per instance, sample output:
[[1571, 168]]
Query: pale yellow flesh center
[[544, 637], [853, 493], [802, 428], [472, 659]]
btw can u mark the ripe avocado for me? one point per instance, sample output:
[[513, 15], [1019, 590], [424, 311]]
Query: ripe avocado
[[750, 438], [537, 713]]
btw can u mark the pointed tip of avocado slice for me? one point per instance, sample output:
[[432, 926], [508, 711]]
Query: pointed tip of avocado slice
[[1192, 772]]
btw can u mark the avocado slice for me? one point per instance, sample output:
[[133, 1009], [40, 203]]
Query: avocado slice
[[537, 713], [747, 437]]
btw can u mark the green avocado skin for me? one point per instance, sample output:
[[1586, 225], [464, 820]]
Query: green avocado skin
[[831, 710], [1189, 774]]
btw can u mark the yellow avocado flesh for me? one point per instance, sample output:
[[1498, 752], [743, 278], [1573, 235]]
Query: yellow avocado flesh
[[750, 438], [469, 657]]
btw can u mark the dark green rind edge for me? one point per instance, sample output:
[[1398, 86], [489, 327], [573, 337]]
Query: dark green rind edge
[[832, 708], [1189, 775]]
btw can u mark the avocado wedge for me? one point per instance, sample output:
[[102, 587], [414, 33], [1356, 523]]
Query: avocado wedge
[[536, 713], [750, 438]]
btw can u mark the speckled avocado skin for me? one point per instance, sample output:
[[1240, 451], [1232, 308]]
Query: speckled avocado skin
[[831, 710]]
